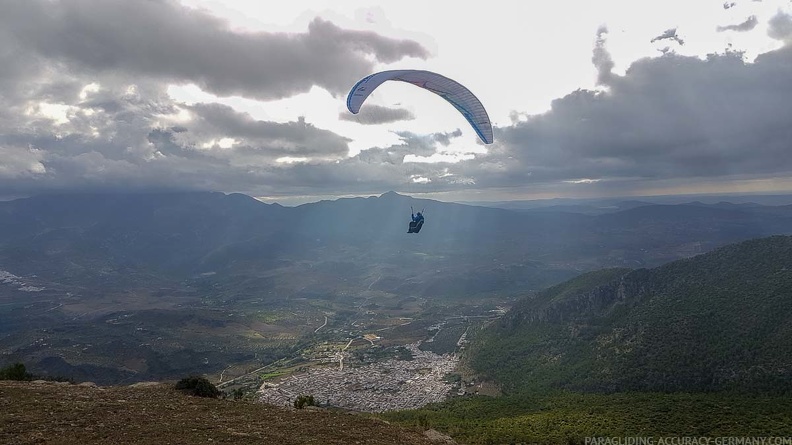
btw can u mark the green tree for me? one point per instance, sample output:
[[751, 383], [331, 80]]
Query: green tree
[[15, 371]]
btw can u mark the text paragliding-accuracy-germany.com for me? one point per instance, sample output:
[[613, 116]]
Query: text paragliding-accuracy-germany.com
[[689, 440]]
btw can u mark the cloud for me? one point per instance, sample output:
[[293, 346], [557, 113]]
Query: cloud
[[426, 145], [213, 122], [135, 137], [373, 114], [669, 34], [120, 136], [84, 102], [444, 139], [163, 40], [19, 162], [84, 105], [668, 119], [602, 59], [780, 27], [749, 24]]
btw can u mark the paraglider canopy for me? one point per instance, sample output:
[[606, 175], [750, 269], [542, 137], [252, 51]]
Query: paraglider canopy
[[452, 91]]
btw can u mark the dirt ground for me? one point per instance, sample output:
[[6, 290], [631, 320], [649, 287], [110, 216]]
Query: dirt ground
[[62, 413]]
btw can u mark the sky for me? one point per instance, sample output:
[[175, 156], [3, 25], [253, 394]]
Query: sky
[[587, 99]]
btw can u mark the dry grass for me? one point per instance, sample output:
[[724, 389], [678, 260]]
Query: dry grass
[[57, 413]]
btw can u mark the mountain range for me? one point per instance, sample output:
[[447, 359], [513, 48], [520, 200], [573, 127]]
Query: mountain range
[[125, 238], [122, 287]]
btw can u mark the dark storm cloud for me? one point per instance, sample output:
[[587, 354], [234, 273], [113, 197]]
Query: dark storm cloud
[[164, 40], [670, 118], [749, 24], [373, 114], [123, 137], [669, 34], [84, 102]]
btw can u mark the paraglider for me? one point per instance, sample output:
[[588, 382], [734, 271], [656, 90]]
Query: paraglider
[[417, 221], [452, 91]]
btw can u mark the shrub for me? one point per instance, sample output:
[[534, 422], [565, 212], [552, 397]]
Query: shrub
[[198, 386], [303, 401], [16, 371]]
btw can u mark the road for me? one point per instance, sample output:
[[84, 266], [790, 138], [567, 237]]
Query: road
[[323, 325], [255, 371], [341, 358]]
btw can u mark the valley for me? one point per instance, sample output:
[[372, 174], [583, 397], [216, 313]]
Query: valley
[[552, 311], [129, 336]]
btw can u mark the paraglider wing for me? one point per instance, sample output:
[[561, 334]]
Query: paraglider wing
[[452, 91]]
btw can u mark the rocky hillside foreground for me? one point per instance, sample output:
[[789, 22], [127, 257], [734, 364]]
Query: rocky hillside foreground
[[61, 413]]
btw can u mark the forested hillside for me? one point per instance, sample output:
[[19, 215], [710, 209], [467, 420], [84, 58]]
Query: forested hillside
[[718, 321]]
